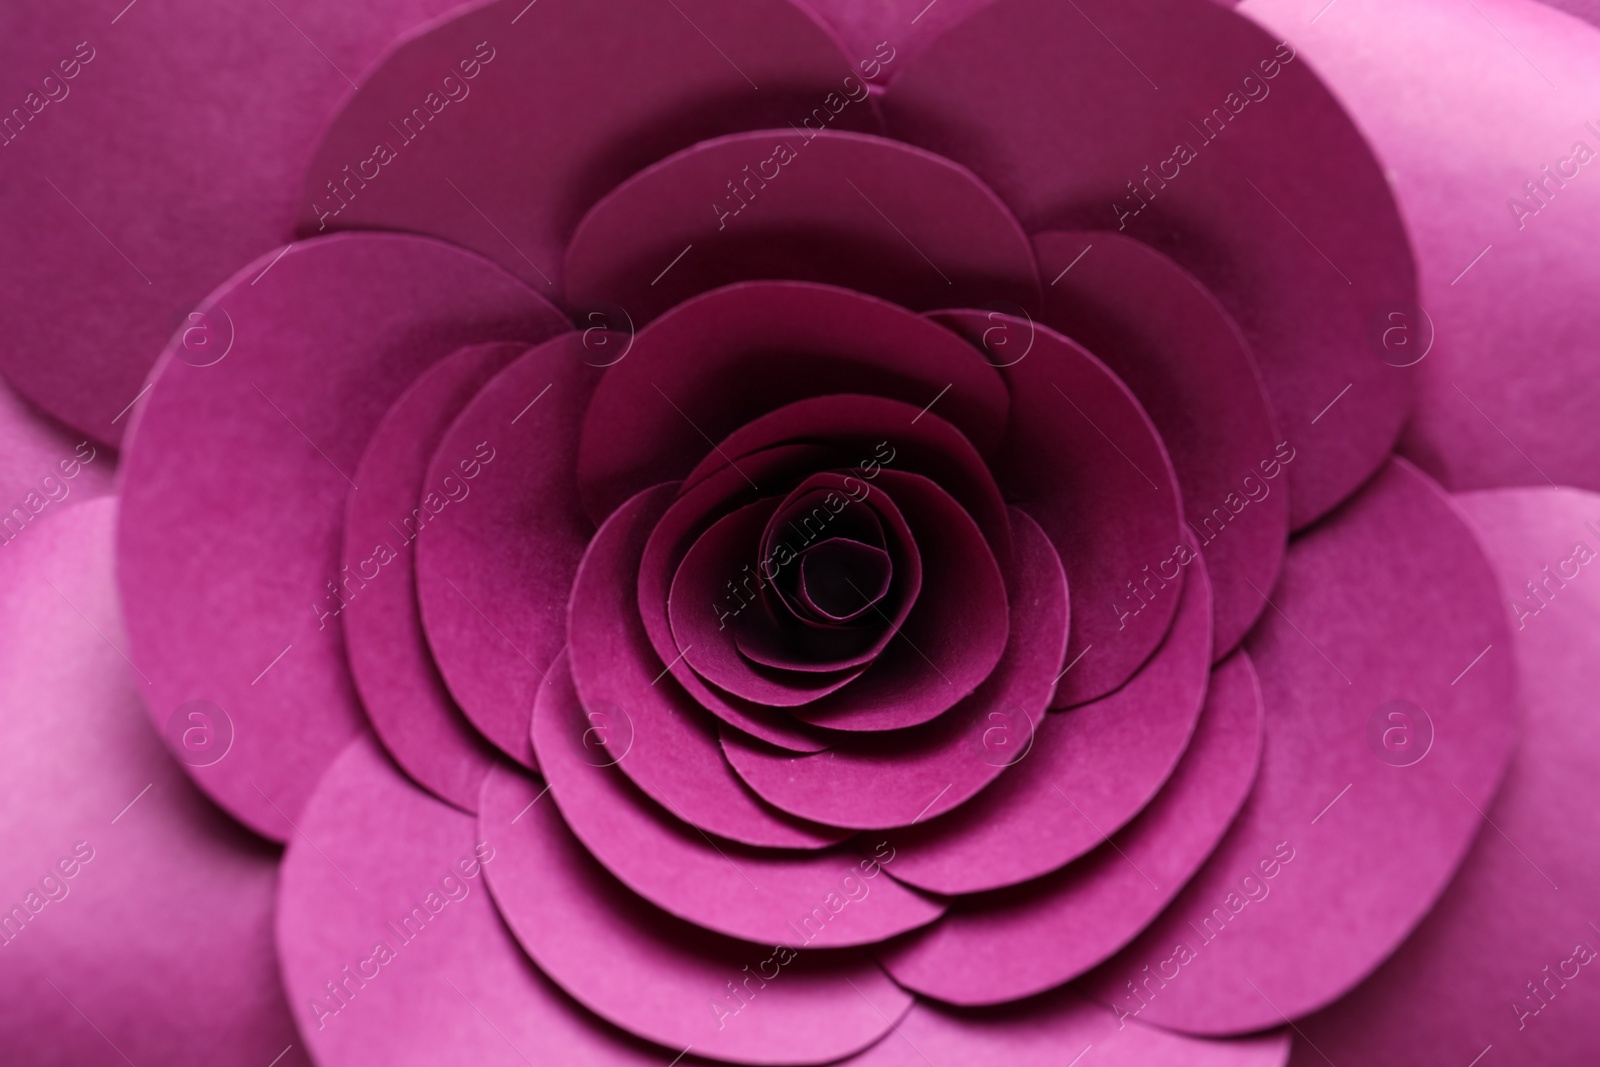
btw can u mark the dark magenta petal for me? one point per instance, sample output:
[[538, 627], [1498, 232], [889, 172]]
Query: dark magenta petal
[[95, 187], [952, 638], [245, 464], [833, 899], [100, 826], [706, 631], [1017, 942], [1390, 600], [727, 488], [1082, 457], [1090, 770], [714, 363], [391, 946], [497, 552], [1518, 913], [405, 698], [845, 209], [870, 433], [841, 579], [1049, 1031], [648, 725], [603, 945], [921, 773], [1183, 357], [1505, 266], [1258, 184], [453, 134]]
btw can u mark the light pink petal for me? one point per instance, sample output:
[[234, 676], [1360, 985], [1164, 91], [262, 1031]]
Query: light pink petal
[[457, 133], [234, 482], [392, 949], [663, 740], [137, 919], [1090, 770], [1051, 1031], [724, 358], [1525, 899], [833, 899], [1082, 457], [658, 976], [1017, 942], [497, 555], [404, 696], [1363, 808], [1498, 279], [1171, 343], [1280, 211], [845, 209], [132, 192], [42, 465], [919, 774]]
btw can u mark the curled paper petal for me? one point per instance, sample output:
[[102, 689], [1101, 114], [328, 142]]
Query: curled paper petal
[[493, 572], [1388, 690], [1082, 457], [1013, 943], [1089, 771], [1049, 1032], [96, 187], [392, 949], [404, 696], [1503, 214], [1189, 366], [846, 209], [1505, 956], [453, 135], [1222, 151], [908, 776], [648, 727], [319, 349], [698, 373], [100, 825], [831, 899], [726, 999]]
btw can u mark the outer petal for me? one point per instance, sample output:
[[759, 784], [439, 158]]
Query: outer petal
[[137, 919], [415, 966], [489, 160], [1015, 943], [1341, 849], [1528, 894], [1504, 271], [823, 900], [136, 188], [724, 358], [1258, 205], [401, 690], [907, 776], [1171, 343], [1090, 770], [494, 572], [658, 976], [245, 464], [860, 212], [1082, 457], [1049, 1032]]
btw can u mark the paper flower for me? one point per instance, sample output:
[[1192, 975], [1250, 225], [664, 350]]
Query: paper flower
[[749, 538]]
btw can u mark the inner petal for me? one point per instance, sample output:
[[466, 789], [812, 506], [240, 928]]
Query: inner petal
[[842, 579]]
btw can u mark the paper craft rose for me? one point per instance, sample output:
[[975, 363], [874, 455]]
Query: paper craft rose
[[810, 533]]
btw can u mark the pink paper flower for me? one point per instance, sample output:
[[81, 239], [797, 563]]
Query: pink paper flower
[[772, 536]]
